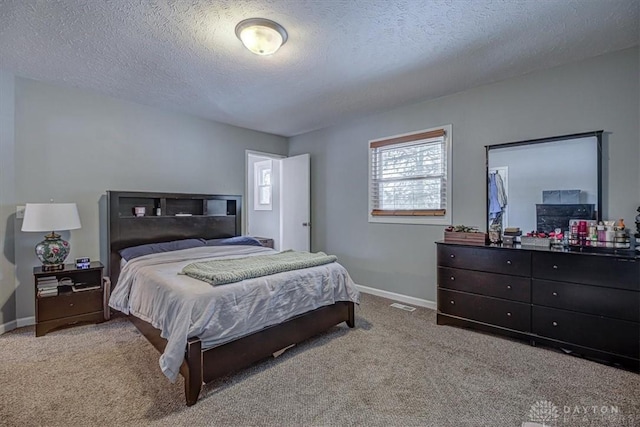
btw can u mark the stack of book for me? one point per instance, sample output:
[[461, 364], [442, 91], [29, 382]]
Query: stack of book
[[511, 235], [47, 286]]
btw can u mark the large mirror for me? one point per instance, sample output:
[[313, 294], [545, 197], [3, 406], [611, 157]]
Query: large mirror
[[540, 184]]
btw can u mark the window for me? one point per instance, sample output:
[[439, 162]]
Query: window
[[409, 177], [262, 188]]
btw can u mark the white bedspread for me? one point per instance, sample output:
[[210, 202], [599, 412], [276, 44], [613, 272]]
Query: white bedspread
[[150, 288]]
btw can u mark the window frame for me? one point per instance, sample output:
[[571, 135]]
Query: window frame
[[410, 218], [258, 167]]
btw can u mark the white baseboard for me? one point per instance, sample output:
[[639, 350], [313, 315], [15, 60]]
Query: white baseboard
[[19, 323], [398, 297], [9, 326], [26, 321]]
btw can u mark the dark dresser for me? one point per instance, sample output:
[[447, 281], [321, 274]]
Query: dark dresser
[[586, 303]]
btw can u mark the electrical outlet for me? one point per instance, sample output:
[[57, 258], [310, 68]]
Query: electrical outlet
[[20, 211]]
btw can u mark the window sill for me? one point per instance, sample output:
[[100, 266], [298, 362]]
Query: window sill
[[417, 220]]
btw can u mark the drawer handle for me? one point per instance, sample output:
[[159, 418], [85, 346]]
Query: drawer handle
[[509, 261], [555, 294], [509, 313], [508, 286], [555, 267], [452, 255], [452, 302], [453, 278], [70, 304], [554, 323]]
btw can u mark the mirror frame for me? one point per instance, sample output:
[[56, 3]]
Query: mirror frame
[[597, 134]]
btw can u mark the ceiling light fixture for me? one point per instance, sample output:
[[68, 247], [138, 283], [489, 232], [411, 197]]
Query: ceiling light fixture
[[261, 36]]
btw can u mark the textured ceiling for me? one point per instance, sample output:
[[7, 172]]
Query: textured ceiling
[[344, 58]]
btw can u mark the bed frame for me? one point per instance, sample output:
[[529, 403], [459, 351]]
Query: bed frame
[[205, 216]]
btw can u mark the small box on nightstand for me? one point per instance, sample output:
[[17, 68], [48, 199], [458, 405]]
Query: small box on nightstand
[[265, 241]]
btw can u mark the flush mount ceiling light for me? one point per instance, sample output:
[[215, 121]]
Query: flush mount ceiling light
[[261, 36]]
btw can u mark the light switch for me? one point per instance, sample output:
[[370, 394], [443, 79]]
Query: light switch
[[20, 211]]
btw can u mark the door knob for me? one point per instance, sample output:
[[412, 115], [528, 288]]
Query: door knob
[[306, 224]]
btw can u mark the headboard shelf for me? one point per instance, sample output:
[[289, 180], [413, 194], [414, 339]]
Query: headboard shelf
[[182, 216]]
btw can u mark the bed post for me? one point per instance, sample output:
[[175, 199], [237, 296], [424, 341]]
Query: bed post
[[193, 377], [351, 321]]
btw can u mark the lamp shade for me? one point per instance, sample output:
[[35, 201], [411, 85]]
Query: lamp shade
[[53, 250], [50, 217]]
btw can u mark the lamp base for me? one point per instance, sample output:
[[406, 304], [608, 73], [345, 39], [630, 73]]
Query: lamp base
[[52, 252]]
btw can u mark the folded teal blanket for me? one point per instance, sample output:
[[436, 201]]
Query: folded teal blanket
[[222, 271]]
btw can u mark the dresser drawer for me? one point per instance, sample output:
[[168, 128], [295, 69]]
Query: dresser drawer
[[507, 261], [494, 311], [69, 304], [613, 272], [608, 302], [514, 288], [610, 335]]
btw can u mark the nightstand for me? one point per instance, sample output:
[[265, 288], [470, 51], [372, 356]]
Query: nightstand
[[265, 241], [67, 307]]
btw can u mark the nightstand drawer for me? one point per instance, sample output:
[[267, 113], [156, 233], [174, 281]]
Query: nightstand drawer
[[494, 311], [69, 304], [514, 288]]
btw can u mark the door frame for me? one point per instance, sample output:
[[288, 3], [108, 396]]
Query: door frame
[[247, 153]]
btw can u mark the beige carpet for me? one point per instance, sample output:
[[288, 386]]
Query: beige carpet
[[395, 369]]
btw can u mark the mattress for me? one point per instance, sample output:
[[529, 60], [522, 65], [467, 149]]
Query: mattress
[[151, 288]]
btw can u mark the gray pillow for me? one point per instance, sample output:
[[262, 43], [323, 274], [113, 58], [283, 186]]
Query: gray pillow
[[154, 248], [238, 240]]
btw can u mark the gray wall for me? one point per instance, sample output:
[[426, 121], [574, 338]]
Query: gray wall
[[7, 196], [599, 93], [73, 145]]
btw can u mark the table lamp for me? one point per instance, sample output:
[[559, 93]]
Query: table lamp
[[53, 250]]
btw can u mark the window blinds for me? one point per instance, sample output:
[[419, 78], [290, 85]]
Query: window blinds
[[409, 175]]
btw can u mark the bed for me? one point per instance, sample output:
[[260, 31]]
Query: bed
[[210, 344]]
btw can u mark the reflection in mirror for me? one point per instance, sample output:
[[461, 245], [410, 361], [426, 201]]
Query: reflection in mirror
[[541, 184]]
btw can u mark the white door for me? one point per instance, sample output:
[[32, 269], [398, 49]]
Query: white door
[[295, 197]]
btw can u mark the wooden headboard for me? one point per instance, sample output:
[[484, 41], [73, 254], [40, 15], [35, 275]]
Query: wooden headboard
[[168, 216]]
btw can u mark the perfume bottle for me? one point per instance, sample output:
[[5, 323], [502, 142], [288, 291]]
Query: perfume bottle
[[602, 234]]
